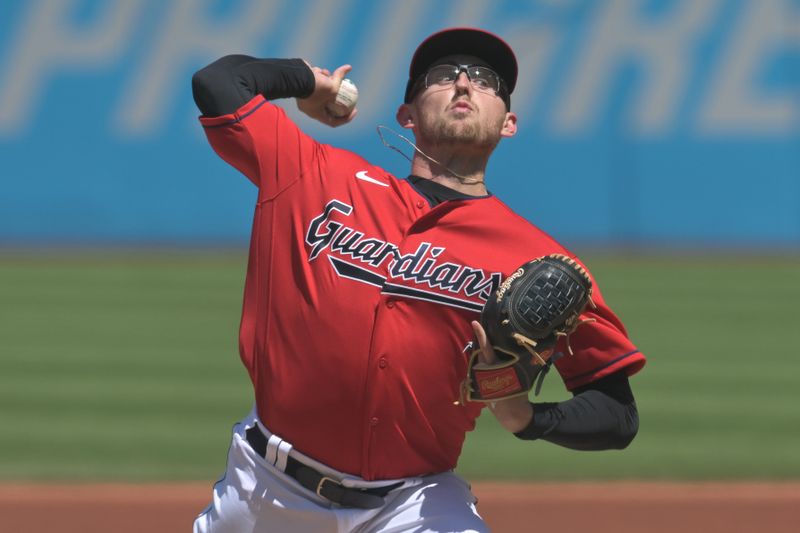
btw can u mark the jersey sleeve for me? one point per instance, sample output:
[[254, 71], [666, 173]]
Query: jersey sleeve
[[260, 141], [600, 348]]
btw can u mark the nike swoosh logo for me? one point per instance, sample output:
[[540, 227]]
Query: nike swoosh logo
[[362, 175]]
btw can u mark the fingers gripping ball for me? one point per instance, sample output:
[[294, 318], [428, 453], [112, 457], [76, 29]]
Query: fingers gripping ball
[[540, 302], [346, 99]]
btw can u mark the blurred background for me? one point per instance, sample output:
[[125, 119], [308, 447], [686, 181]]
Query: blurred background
[[658, 139]]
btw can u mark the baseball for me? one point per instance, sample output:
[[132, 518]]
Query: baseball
[[346, 99]]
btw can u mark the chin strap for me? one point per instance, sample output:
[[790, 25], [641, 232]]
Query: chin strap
[[459, 177]]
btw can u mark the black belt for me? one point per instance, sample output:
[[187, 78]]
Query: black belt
[[321, 484]]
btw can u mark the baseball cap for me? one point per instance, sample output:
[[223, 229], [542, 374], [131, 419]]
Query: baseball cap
[[487, 46]]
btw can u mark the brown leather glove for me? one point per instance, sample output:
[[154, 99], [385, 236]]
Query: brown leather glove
[[540, 302]]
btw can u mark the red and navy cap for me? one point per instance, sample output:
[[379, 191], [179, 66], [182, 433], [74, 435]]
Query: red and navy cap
[[497, 54]]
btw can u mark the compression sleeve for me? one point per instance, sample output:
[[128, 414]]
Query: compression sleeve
[[601, 416], [231, 81]]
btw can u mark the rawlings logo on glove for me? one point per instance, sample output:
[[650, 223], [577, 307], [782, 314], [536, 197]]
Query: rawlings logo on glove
[[540, 302]]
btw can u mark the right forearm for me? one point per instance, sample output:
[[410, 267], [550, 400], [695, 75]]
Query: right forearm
[[232, 81]]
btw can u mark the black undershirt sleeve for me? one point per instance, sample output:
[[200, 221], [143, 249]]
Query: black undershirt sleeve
[[231, 81], [601, 416]]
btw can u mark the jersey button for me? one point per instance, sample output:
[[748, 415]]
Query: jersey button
[[420, 204], [373, 421], [383, 363], [389, 303]]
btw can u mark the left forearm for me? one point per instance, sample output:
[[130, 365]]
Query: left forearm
[[589, 421], [514, 414]]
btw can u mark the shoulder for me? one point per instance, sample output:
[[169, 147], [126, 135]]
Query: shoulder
[[507, 221]]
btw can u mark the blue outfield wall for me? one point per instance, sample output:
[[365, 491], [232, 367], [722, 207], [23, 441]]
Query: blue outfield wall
[[642, 122]]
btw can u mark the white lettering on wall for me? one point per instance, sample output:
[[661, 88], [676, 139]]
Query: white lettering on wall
[[48, 42], [383, 59], [663, 49], [469, 13], [317, 32], [538, 44], [733, 104], [745, 88], [187, 32]]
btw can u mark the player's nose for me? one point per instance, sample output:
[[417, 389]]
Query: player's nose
[[462, 84], [462, 80]]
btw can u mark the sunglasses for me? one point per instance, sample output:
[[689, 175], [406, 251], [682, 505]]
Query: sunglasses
[[482, 79]]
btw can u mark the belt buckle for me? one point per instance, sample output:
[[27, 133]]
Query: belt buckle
[[321, 482]]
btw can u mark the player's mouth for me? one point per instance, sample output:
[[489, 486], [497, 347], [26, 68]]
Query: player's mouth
[[461, 105]]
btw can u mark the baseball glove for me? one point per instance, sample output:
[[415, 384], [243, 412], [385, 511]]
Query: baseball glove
[[523, 320]]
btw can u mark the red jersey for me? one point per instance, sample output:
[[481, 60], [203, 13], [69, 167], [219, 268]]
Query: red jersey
[[359, 297]]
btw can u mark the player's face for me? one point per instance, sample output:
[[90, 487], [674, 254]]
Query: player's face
[[462, 109]]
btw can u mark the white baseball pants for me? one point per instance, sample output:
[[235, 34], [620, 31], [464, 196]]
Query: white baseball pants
[[256, 496]]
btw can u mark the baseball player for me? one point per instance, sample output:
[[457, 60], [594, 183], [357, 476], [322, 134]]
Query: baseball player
[[363, 294]]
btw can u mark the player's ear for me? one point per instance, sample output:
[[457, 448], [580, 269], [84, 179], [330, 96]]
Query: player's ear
[[509, 125], [405, 116]]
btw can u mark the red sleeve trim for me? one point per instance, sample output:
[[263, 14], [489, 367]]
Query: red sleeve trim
[[632, 362], [237, 116]]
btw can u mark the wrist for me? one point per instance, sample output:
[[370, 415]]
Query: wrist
[[514, 414]]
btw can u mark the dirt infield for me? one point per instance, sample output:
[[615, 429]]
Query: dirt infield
[[554, 508]]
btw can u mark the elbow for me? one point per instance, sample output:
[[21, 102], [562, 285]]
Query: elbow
[[624, 440], [199, 80], [202, 89], [202, 79], [213, 86], [628, 429]]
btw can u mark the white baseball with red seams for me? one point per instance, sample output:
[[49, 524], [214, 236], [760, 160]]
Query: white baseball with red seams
[[346, 99]]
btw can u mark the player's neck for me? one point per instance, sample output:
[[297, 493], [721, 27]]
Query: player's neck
[[463, 174]]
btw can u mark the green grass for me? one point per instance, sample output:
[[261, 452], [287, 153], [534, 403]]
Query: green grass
[[124, 366], [119, 367]]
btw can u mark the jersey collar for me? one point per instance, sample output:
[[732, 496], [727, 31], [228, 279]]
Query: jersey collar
[[436, 193]]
